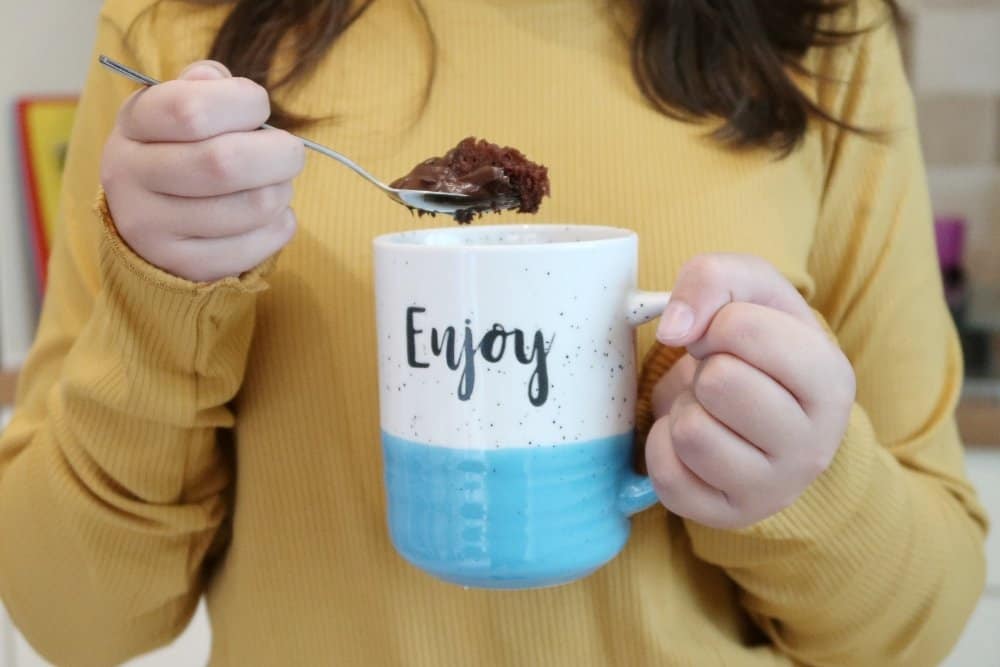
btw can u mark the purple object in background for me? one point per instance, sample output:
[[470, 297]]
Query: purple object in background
[[950, 234]]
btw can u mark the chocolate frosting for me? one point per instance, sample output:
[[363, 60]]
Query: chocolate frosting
[[485, 182], [494, 178]]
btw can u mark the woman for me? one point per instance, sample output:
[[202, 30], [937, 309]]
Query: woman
[[198, 415]]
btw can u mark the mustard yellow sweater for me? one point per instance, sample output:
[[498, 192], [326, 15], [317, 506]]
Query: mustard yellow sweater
[[174, 440]]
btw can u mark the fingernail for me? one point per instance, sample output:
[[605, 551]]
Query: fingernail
[[676, 322]]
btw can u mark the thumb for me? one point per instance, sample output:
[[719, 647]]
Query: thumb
[[205, 70], [708, 283]]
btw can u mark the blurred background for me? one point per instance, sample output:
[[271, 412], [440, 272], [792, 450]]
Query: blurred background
[[952, 49]]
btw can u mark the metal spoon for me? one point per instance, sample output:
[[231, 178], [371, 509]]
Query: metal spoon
[[427, 201]]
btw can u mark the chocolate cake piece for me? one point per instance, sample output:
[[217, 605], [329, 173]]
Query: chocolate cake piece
[[495, 178]]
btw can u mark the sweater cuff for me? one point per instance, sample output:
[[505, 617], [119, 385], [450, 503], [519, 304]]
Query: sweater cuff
[[830, 506], [170, 327]]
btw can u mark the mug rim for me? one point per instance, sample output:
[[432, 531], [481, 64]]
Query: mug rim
[[605, 234]]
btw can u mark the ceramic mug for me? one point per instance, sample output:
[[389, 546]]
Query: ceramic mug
[[507, 376]]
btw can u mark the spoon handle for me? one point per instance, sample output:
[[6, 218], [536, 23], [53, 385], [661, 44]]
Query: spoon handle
[[126, 72], [138, 77]]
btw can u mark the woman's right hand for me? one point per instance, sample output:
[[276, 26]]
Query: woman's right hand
[[193, 186]]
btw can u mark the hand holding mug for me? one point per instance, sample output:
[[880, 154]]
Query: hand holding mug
[[757, 408]]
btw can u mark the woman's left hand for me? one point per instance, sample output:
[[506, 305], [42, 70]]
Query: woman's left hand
[[757, 408]]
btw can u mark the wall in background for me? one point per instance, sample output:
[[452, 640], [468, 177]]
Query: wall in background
[[46, 46], [954, 54]]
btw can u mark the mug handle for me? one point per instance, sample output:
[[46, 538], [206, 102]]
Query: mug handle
[[637, 493]]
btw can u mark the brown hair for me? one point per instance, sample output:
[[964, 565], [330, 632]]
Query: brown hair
[[694, 59]]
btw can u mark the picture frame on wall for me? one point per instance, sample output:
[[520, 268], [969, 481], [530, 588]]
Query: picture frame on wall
[[43, 125]]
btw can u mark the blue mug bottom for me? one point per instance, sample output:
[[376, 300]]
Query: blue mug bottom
[[507, 518]]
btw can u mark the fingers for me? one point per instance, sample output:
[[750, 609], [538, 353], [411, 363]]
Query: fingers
[[710, 450], [708, 283], [756, 410], [216, 217], [205, 102], [677, 487], [675, 381], [703, 471], [782, 347], [205, 260], [750, 404], [221, 165]]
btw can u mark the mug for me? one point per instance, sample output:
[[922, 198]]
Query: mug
[[507, 381]]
